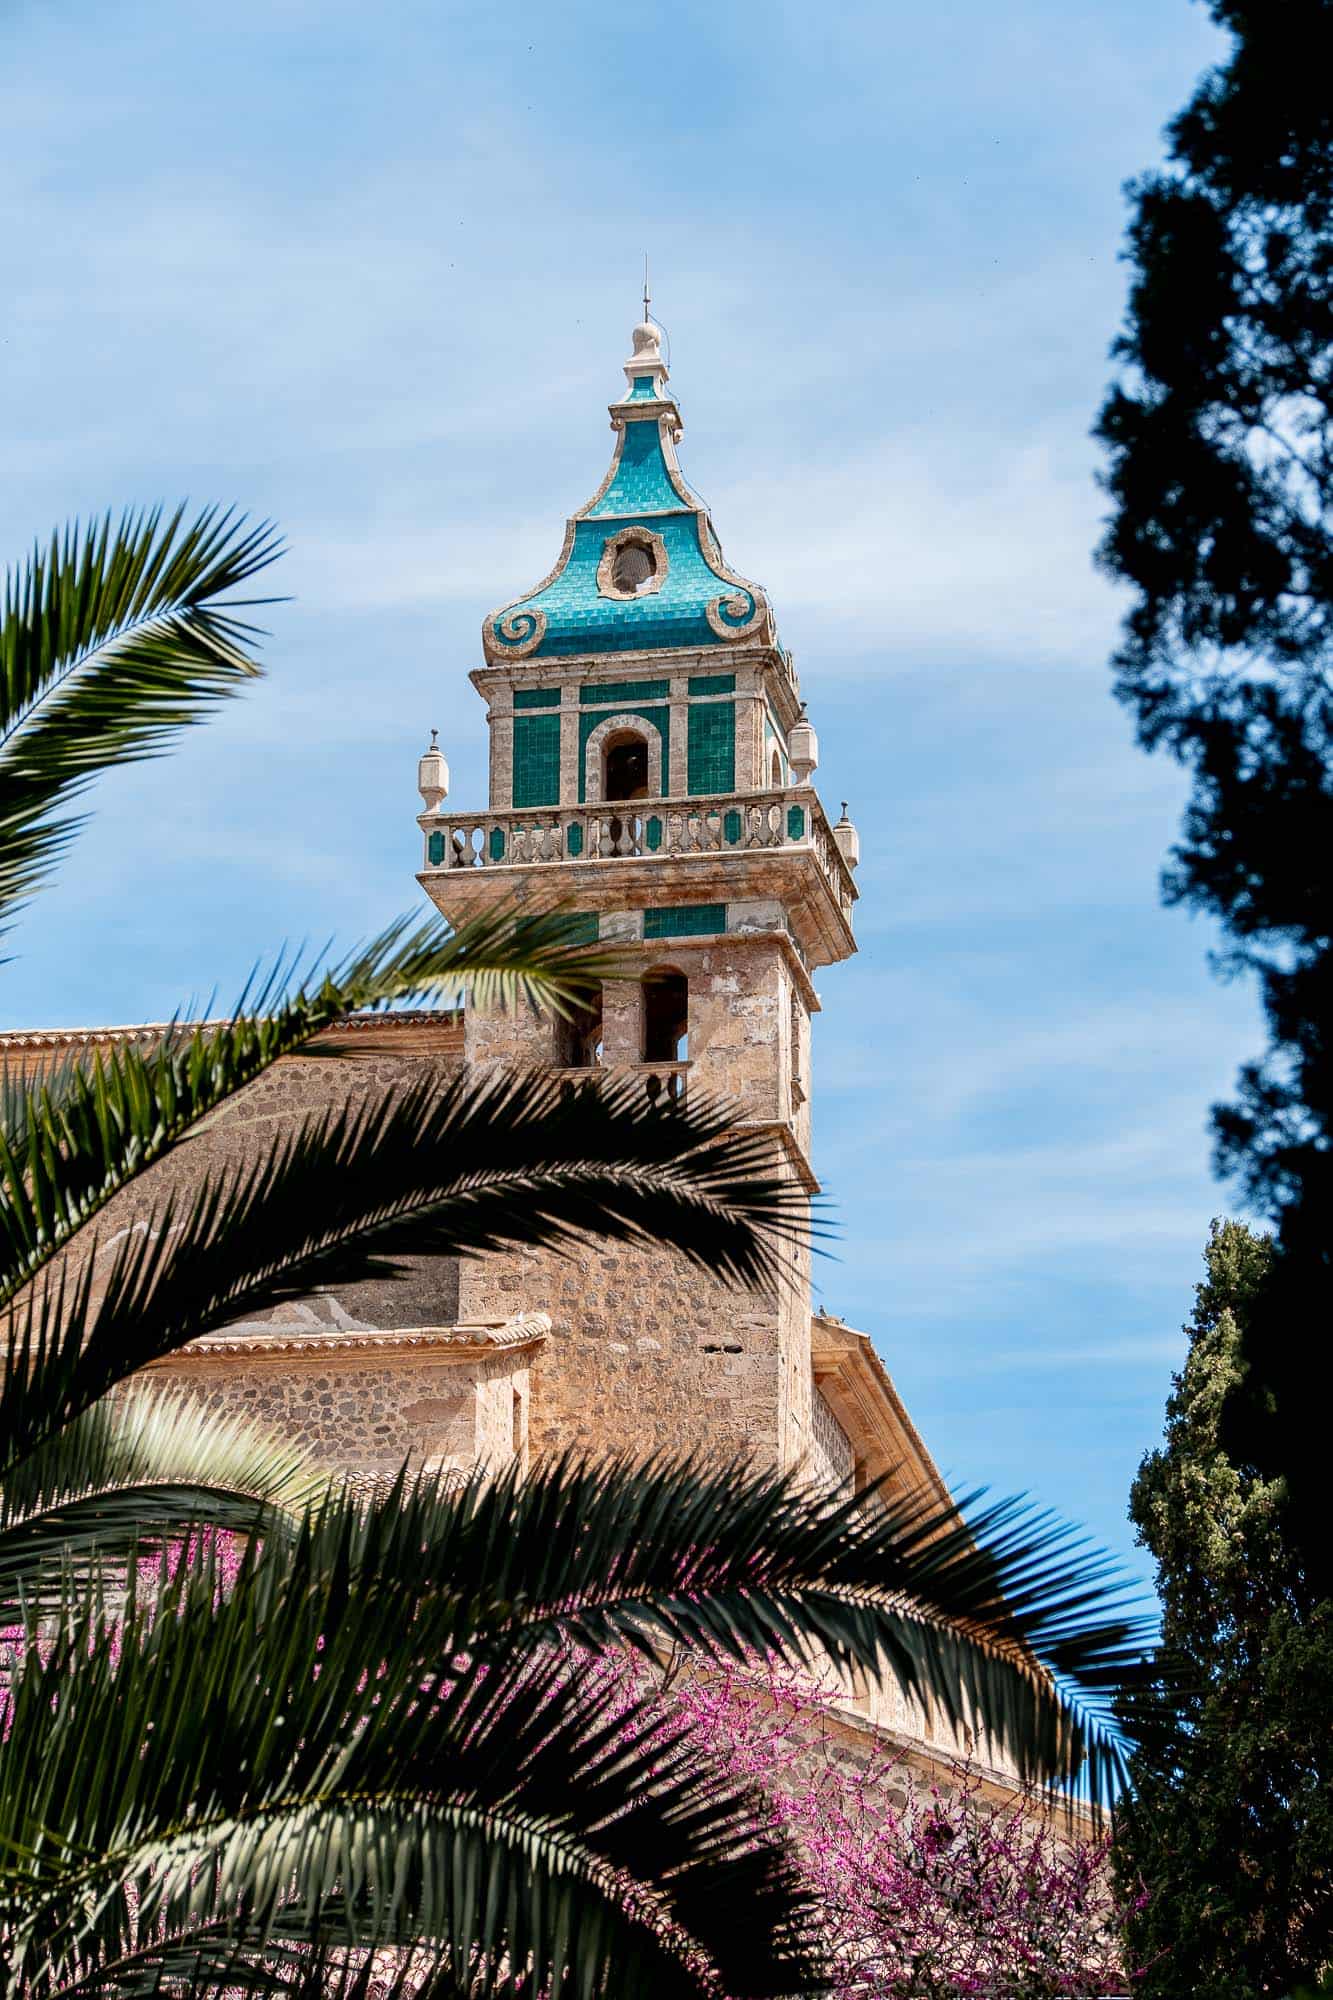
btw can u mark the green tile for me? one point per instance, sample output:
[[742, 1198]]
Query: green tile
[[620, 694], [711, 738], [685, 920], [536, 760]]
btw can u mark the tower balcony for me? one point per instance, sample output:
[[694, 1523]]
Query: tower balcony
[[732, 848]]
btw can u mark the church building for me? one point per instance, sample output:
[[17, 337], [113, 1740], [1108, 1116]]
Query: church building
[[651, 768]]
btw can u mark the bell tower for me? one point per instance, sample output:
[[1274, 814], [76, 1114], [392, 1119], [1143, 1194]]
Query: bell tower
[[650, 766]]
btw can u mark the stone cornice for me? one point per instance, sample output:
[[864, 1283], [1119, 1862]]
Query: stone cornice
[[789, 856], [467, 1340], [859, 1390], [774, 668], [790, 1146], [656, 661]]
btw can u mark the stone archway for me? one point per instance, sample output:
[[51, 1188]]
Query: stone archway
[[594, 753]]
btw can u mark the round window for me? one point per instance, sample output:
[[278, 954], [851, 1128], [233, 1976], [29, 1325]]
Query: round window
[[633, 567]]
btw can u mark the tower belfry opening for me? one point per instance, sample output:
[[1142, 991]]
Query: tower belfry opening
[[625, 767], [666, 1016]]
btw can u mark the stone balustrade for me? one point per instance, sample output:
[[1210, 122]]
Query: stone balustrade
[[661, 1081], [734, 823]]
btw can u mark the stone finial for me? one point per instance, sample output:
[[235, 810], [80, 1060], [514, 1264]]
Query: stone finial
[[848, 839], [646, 359], [433, 774], [802, 748]]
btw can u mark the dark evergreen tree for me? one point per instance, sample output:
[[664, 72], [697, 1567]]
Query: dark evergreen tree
[[1229, 1825], [1220, 442]]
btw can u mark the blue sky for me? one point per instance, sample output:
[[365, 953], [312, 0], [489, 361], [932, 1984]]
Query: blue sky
[[372, 272]]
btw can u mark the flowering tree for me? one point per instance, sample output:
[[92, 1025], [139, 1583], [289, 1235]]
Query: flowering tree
[[930, 1890]]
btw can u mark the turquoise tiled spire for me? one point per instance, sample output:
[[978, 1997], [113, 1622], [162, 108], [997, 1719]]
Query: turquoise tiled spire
[[641, 568]]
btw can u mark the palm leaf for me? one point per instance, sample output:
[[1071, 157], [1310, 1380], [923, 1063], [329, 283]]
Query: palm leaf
[[472, 1164], [445, 1777], [76, 1135], [205, 1960], [110, 642], [999, 1615], [127, 1476], [510, 1816]]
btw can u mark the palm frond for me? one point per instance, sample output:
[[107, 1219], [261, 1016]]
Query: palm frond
[[162, 1434], [203, 1961], [127, 1475], [111, 641], [73, 1137], [376, 1737], [277, 1757], [471, 1164], [1000, 1616]]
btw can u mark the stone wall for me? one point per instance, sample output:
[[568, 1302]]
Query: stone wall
[[646, 1352], [369, 1411], [244, 1130], [320, 1368]]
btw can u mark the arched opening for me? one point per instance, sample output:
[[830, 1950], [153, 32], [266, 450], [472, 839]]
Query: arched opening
[[625, 766], [777, 770], [579, 1039], [666, 1016]]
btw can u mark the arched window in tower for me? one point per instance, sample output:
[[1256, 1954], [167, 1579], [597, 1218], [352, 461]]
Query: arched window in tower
[[579, 1039], [777, 770], [666, 1016], [625, 766]]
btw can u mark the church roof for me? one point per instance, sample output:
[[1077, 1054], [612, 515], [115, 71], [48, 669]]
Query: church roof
[[641, 568]]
